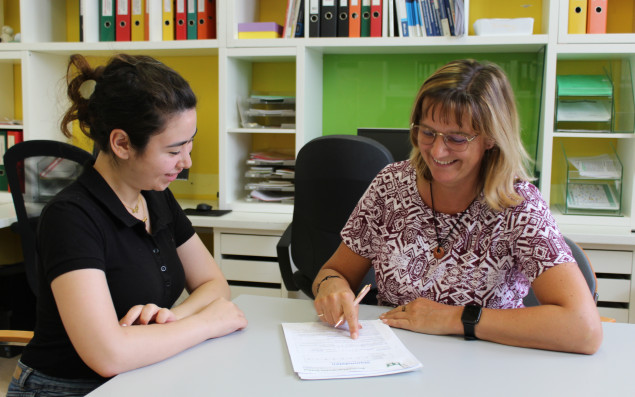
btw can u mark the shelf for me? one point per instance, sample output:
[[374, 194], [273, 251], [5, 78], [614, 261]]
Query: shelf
[[602, 135], [405, 45], [261, 131], [153, 48]]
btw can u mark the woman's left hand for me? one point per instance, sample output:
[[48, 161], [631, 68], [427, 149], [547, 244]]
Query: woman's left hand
[[425, 316], [146, 314]]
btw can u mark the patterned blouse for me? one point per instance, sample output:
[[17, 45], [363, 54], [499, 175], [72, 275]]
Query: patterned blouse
[[491, 257]]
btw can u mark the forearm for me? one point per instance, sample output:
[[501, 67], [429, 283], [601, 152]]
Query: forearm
[[140, 345], [201, 297], [111, 349], [548, 327]]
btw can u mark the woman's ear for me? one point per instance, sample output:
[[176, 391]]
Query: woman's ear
[[490, 143], [120, 144]]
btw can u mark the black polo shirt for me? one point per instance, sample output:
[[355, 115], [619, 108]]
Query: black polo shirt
[[87, 226]]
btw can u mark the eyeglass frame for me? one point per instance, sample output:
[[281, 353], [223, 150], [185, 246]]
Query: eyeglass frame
[[469, 138]]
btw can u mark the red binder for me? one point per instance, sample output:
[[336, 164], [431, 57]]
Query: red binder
[[14, 137], [375, 18], [180, 26], [596, 16], [122, 21], [206, 19]]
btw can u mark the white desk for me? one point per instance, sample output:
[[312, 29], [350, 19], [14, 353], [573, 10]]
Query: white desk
[[255, 362]]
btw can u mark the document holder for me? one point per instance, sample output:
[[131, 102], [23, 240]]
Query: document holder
[[584, 103], [592, 183], [267, 112]]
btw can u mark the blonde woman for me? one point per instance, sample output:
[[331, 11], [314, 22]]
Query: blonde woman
[[457, 234]]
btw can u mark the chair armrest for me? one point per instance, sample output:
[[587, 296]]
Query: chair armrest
[[16, 336], [284, 260]]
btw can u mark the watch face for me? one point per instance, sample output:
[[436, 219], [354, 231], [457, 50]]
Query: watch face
[[471, 314]]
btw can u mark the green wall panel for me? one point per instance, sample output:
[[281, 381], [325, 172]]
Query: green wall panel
[[378, 90]]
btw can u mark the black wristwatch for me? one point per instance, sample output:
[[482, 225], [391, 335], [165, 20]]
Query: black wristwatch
[[470, 317]]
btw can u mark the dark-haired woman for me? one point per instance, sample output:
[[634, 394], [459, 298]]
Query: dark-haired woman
[[457, 234], [115, 248]]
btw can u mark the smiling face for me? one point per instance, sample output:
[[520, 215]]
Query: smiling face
[[449, 167], [167, 153]]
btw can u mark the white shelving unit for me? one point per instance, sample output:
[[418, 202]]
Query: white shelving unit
[[43, 56]]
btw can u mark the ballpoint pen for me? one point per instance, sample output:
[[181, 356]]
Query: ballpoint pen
[[358, 299]]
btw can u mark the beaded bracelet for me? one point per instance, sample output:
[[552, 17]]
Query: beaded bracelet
[[317, 290]]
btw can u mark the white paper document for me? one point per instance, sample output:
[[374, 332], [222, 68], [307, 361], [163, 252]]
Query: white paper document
[[319, 351], [602, 166]]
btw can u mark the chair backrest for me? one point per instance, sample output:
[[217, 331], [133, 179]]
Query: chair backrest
[[36, 171], [585, 267], [331, 174]]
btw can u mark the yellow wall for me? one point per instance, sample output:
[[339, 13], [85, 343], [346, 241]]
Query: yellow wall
[[273, 11]]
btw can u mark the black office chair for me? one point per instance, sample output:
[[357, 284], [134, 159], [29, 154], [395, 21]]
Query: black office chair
[[585, 267], [36, 171], [331, 174]]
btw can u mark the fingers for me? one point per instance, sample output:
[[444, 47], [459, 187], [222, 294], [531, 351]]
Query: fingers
[[397, 312], [353, 323], [164, 316], [337, 309], [146, 314], [131, 316]]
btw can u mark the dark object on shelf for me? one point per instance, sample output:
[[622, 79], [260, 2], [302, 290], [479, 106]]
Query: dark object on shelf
[[210, 212]]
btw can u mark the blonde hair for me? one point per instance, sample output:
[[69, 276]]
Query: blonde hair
[[482, 93]]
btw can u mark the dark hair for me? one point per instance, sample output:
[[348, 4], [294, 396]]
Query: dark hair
[[135, 93]]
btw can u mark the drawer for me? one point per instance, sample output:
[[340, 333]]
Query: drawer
[[248, 245], [618, 262], [612, 290], [255, 271], [620, 315], [237, 290]]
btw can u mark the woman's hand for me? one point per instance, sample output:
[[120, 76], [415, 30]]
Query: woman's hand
[[147, 314], [222, 317], [426, 316], [334, 302]]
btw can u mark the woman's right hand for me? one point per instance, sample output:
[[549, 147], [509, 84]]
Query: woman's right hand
[[334, 304], [222, 317]]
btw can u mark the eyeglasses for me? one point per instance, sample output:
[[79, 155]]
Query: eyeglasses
[[455, 141]]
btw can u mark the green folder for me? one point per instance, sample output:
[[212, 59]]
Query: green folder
[[192, 21], [106, 20], [588, 85], [365, 23]]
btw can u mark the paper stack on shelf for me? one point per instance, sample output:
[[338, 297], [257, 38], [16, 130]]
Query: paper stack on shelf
[[259, 30], [260, 111], [593, 183], [584, 103], [272, 177]]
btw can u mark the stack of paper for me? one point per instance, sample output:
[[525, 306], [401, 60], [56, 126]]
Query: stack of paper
[[602, 166], [319, 351]]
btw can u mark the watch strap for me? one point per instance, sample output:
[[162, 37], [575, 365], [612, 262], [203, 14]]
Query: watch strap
[[470, 317]]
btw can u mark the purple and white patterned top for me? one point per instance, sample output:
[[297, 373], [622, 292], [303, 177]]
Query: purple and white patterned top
[[491, 257]]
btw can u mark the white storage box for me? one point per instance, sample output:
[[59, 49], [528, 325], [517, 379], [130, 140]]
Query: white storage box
[[504, 26]]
